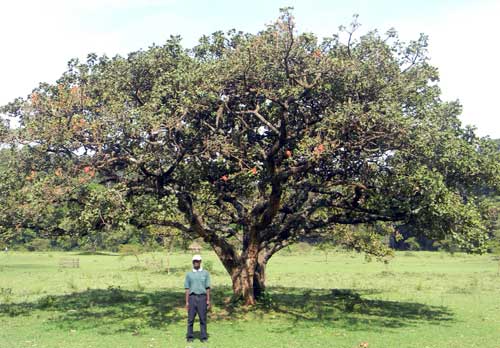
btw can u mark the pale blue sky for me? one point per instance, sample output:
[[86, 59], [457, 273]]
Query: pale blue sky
[[39, 37]]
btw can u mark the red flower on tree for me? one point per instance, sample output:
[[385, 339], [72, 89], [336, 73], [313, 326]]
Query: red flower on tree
[[319, 149], [89, 170]]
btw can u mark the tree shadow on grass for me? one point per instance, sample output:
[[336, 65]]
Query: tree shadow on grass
[[115, 310], [111, 310], [350, 309]]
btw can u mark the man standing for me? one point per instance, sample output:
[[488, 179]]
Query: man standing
[[197, 285]]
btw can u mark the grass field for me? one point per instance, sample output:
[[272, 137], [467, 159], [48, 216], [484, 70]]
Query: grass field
[[419, 299]]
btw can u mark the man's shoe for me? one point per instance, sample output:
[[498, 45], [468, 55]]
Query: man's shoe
[[189, 340], [204, 340]]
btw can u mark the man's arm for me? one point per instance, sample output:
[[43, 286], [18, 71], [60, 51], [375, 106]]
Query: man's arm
[[186, 286], [207, 287]]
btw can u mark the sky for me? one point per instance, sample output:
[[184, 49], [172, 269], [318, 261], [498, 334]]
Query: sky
[[38, 38]]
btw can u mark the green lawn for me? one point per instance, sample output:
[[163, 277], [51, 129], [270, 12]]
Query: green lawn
[[420, 299]]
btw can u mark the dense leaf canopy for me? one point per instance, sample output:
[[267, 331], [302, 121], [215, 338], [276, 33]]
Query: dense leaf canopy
[[254, 140]]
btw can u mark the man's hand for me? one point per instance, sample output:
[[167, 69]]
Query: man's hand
[[208, 305], [187, 307]]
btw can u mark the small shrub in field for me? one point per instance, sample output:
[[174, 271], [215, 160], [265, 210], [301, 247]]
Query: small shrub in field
[[303, 247], [38, 244], [412, 243], [130, 249], [446, 245]]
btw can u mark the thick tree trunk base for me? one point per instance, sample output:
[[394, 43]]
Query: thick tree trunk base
[[249, 285]]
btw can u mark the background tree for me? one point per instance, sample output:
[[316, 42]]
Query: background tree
[[252, 141]]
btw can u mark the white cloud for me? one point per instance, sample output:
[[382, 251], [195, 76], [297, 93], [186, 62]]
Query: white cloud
[[40, 37], [463, 45], [465, 48]]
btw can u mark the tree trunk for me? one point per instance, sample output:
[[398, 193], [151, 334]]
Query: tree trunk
[[259, 281], [249, 280]]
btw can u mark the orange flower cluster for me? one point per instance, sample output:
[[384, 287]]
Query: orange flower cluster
[[89, 170], [319, 149], [317, 54], [32, 176]]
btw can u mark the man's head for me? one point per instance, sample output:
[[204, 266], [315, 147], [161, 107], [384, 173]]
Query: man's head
[[196, 261]]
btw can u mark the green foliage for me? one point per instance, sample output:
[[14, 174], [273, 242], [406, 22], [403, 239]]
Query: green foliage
[[38, 244], [412, 243], [490, 210], [249, 141], [447, 245], [130, 249]]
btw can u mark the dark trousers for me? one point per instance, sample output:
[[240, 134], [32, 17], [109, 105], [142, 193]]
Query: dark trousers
[[197, 304]]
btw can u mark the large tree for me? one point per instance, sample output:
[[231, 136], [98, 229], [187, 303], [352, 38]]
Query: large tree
[[252, 141]]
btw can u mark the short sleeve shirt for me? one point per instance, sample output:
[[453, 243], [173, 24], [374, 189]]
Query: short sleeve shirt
[[197, 282]]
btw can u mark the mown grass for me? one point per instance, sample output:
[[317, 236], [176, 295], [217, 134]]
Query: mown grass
[[420, 299]]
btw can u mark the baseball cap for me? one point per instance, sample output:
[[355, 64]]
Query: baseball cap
[[196, 258]]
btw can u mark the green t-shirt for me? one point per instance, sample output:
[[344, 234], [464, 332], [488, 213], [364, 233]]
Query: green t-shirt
[[197, 282]]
